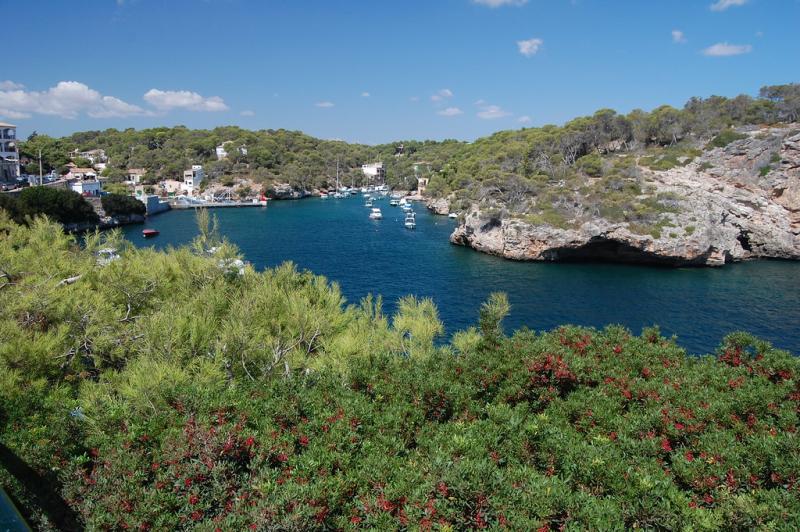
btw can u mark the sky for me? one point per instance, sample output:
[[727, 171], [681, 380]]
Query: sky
[[375, 71]]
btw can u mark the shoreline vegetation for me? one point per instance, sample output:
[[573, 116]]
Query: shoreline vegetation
[[184, 390]]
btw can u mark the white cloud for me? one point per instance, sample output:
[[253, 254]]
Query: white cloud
[[525, 119], [167, 100], [442, 94], [722, 5], [414, 98], [9, 85], [723, 49], [489, 112], [365, 94], [450, 111], [248, 112], [481, 101], [500, 3], [16, 115], [325, 104], [529, 47], [67, 99], [678, 36]]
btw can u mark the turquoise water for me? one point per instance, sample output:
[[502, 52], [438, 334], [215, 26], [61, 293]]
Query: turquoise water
[[335, 238]]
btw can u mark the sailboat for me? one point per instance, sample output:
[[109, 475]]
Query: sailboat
[[338, 194]]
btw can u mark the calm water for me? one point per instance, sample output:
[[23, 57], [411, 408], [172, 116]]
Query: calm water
[[336, 239]]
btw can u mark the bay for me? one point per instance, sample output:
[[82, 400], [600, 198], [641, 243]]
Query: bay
[[335, 238]]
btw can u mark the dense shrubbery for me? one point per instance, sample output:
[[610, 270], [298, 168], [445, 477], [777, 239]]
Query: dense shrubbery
[[59, 204], [165, 391], [119, 205]]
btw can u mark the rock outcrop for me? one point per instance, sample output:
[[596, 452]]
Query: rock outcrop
[[439, 206], [734, 203], [284, 191]]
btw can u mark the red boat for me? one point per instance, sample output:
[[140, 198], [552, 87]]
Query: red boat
[[147, 233]]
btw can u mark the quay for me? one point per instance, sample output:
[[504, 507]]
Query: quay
[[213, 204]]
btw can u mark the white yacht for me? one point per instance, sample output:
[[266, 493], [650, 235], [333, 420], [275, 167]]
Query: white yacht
[[375, 214], [452, 215], [410, 221], [394, 202]]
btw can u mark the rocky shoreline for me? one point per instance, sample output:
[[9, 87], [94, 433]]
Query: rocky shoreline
[[732, 205]]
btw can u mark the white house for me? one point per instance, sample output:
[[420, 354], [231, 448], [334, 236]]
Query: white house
[[80, 173], [93, 156], [192, 179], [221, 153], [135, 175], [9, 152], [87, 187], [374, 171]]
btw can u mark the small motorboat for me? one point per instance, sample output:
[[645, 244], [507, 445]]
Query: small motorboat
[[452, 215], [410, 221], [375, 214], [149, 233], [394, 202], [368, 203]]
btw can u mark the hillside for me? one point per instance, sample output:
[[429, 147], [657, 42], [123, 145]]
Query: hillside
[[179, 391], [690, 204]]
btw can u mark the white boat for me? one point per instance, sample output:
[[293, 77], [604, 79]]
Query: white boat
[[452, 215], [375, 214], [323, 196], [368, 203], [406, 207], [410, 221], [394, 202]]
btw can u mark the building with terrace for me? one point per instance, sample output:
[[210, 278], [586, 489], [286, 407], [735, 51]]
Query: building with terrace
[[9, 152]]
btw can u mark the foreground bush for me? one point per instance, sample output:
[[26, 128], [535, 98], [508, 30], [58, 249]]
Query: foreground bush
[[165, 392], [61, 205], [121, 205]]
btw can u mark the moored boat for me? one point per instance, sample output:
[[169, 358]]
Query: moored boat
[[149, 233], [375, 214]]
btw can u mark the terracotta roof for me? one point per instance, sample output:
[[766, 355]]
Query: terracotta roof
[[77, 170]]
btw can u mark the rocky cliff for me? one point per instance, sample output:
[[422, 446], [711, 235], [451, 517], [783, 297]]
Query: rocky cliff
[[734, 203]]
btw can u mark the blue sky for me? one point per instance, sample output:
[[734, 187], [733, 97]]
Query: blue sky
[[374, 71]]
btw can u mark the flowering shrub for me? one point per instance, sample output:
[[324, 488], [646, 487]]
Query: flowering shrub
[[176, 416]]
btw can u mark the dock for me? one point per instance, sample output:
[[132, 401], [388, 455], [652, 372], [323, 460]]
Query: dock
[[214, 205]]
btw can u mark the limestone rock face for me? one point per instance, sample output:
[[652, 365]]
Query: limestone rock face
[[439, 206], [735, 203], [286, 191]]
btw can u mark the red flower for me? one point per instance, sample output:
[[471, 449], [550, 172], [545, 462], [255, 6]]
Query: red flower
[[282, 457], [193, 499], [303, 440], [689, 456], [249, 442], [442, 489], [679, 425], [612, 436], [355, 519], [646, 373], [665, 445], [197, 515], [618, 349], [188, 482]]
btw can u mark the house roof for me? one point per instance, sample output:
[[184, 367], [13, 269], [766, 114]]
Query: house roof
[[77, 170], [4, 124], [137, 171]]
